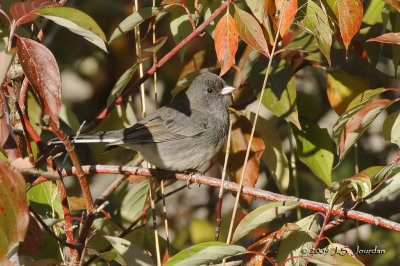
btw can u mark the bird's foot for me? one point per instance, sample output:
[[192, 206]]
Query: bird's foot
[[192, 173]]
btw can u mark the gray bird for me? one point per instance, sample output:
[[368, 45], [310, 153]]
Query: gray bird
[[182, 135]]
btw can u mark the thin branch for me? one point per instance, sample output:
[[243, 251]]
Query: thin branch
[[255, 192]]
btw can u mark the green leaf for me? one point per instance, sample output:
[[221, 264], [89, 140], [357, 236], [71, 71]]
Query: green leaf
[[391, 128], [280, 93], [45, 199], [387, 189], [316, 22], [298, 241], [260, 216], [123, 81], [5, 59], [205, 253], [181, 27], [69, 117], [134, 201], [386, 172], [78, 22], [315, 149], [133, 20], [132, 254]]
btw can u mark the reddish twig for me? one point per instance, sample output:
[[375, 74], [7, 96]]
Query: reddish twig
[[153, 69], [258, 193], [23, 122]]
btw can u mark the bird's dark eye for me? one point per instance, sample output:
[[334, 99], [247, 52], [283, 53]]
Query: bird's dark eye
[[209, 90]]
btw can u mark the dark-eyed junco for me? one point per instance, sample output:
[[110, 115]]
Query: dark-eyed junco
[[182, 135]]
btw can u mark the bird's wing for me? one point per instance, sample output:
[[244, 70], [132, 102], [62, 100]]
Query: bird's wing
[[165, 124]]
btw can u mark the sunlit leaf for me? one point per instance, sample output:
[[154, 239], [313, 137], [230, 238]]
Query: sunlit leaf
[[349, 14], [133, 20], [41, 69], [78, 22], [45, 199], [316, 22], [226, 42], [391, 128], [315, 149], [260, 216], [20, 9], [343, 87], [288, 15], [14, 215], [250, 31], [205, 253]]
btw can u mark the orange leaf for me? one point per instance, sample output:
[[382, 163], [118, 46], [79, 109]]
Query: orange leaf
[[391, 37], [20, 9], [349, 14], [41, 69], [226, 42], [394, 3], [288, 14]]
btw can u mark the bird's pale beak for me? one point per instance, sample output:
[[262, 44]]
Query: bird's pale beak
[[227, 90]]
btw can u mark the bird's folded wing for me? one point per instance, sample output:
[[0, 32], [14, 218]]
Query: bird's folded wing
[[164, 126]]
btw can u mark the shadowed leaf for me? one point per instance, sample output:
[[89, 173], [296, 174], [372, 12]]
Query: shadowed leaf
[[226, 42], [337, 254], [391, 128], [41, 69]]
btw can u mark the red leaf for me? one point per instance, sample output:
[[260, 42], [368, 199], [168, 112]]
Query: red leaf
[[349, 14], [288, 14], [14, 216], [41, 69], [226, 42], [391, 37], [20, 9], [250, 31]]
